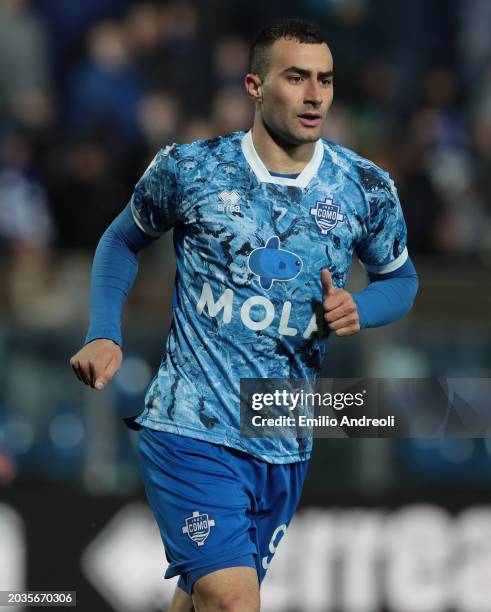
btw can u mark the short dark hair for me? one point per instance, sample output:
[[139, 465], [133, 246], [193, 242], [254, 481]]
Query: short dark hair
[[296, 29]]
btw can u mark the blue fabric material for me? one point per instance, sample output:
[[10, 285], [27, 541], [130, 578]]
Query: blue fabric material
[[186, 581], [388, 297], [249, 249], [215, 506], [113, 272]]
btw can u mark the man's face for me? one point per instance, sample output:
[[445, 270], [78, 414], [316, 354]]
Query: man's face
[[297, 90]]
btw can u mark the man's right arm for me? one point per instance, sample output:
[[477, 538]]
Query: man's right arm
[[113, 273]]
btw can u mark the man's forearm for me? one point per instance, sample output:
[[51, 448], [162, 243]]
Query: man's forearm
[[388, 297], [114, 270]]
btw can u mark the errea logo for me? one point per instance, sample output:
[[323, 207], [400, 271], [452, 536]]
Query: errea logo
[[229, 201]]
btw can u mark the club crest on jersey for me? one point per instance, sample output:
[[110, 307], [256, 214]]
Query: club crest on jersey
[[197, 527], [326, 215], [272, 263]]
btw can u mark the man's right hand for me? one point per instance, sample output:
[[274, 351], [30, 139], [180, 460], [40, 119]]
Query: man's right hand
[[97, 362]]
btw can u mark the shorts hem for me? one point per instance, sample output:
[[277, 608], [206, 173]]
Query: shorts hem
[[190, 566], [187, 580]]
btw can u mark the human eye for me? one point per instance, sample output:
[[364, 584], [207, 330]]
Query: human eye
[[327, 82], [294, 78]]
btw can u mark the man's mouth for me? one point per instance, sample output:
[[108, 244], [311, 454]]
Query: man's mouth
[[310, 119]]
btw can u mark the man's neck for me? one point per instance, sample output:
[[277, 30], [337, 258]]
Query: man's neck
[[277, 155]]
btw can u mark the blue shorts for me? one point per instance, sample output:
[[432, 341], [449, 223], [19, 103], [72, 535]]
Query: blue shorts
[[215, 506]]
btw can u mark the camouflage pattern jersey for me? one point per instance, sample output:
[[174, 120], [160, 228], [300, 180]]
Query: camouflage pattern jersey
[[249, 249]]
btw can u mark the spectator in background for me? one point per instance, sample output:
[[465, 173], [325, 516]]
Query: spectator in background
[[440, 94], [68, 22], [440, 130], [184, 59], [142, 82], [340, 128], [158, 123], [197, 128], [105, 90], [167, 52], [24, 216], [473, 39], [145, 38], [26, 230], [230, 110], [25, 69], [158, 117], [424, 206], [230, 59], [84, 191], [375, 113]]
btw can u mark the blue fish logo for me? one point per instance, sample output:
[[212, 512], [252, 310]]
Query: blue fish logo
[[271, 263]]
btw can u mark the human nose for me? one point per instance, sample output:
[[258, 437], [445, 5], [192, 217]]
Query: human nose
[[313, 94]]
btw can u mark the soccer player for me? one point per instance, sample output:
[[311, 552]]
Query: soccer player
[[265, 227]]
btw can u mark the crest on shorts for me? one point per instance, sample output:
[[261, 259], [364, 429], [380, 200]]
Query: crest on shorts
[[198, 526], [326, 215]]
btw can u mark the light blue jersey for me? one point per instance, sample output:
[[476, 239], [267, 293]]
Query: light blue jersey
[[249, 250]]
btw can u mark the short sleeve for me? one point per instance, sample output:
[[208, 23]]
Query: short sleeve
[[154, 203], [382, 249]]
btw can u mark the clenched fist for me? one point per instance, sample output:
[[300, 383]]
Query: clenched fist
[[340, 312], [97, 362]]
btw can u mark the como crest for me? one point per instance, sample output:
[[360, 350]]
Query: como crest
[[198, 526], [326, 215]]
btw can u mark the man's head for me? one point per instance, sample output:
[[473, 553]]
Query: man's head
[[290, 79]]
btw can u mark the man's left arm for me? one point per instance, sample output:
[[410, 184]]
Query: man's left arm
[[393, 281], [387, 298]]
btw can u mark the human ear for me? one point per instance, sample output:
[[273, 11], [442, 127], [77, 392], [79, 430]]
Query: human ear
[[253, 86]]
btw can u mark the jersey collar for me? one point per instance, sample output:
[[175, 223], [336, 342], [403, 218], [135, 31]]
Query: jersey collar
[[262, 174]]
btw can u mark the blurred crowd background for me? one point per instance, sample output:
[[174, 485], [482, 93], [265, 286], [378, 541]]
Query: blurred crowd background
[[90, 89]]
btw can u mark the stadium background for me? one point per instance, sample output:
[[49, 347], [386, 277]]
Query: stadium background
[[89, 89]]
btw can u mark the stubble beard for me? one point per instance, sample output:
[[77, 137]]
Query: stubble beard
[[291, 135]]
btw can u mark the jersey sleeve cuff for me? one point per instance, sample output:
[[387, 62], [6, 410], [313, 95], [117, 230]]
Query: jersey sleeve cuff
[[104, 335], [141, 224], [389, 267]]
